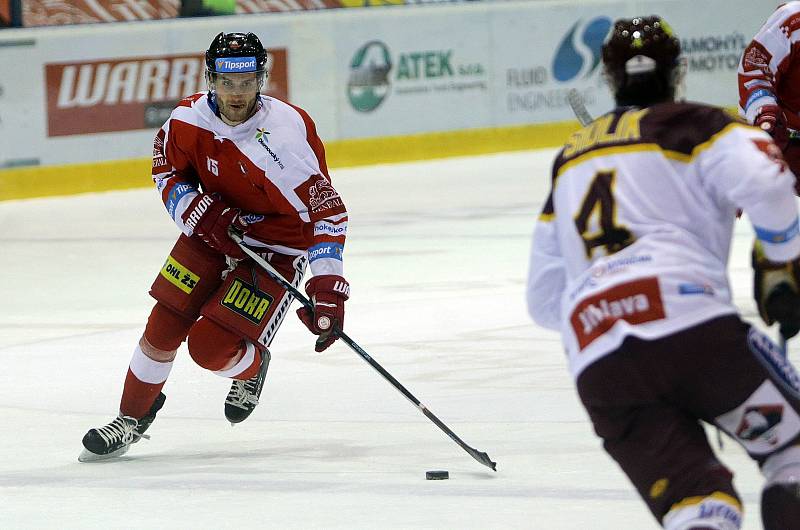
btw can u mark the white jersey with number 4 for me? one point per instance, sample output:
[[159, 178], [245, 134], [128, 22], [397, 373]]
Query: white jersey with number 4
[[634, 237]]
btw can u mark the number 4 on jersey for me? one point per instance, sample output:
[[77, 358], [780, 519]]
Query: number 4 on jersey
[[599, 203]]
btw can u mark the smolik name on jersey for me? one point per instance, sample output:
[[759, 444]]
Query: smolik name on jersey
[[272, 167]]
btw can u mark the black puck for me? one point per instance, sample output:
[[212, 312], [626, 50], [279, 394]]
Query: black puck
[[437, 475]]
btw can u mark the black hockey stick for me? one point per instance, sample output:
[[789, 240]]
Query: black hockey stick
[[483, 458], [575, 101]]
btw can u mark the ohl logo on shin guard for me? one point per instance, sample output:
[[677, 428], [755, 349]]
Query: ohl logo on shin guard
[[247, 301]]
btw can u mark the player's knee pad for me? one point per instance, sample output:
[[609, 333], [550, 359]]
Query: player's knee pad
[[212, 346], [780, 499], [250, 303], [770, 416], [150, 351], [718, 511], [165, 329]]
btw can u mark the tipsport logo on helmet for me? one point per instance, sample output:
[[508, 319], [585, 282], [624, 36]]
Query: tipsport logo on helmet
[[235, 64], [580, 51]]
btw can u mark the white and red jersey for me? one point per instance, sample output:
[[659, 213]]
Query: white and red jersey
[[272, 167], [634, 237], [769, 71]]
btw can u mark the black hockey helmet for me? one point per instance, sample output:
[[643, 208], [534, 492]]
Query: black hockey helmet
[[641, 59], [236, 53]]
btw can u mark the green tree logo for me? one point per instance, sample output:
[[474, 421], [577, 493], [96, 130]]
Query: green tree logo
[[369, 83]]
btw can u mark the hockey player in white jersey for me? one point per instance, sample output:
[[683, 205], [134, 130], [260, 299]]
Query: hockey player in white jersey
[[629, 262]]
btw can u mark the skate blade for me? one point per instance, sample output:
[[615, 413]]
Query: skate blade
[[88, 456]]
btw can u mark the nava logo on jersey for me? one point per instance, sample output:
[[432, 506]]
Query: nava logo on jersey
[[235, 64], [635, 302]]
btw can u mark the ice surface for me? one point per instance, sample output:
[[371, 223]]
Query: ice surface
[[436, 256]]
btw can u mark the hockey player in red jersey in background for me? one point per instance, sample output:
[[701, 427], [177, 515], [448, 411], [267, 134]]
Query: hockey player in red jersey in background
[[629, 262], [769, 77], [233, 160]]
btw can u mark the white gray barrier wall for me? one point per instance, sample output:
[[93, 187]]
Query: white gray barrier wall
[[82, 94]]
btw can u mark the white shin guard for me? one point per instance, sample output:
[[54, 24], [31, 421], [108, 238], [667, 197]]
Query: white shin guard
[[148, 370]]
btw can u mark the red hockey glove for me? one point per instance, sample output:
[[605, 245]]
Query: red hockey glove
[[211, 220], [770, 118], [328, 294], [776, 288]]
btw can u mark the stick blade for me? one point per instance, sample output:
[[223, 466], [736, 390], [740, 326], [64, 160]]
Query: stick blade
[[483, 458]]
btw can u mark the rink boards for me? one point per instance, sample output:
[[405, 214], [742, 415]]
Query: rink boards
[[383, 85]]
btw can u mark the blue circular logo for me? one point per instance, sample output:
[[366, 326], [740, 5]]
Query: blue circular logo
[[579, 52]]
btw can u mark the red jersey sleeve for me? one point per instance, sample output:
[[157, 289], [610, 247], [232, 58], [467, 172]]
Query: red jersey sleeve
[[173, 174]]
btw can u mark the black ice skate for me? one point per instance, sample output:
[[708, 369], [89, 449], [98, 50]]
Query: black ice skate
[[243, 395], [116, 438]]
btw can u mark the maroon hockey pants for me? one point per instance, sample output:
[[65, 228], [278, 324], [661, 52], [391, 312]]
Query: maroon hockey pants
[[647, 399]]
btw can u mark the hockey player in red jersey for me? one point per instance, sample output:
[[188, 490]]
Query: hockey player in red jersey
[[629, 263], [769, 74], [233, 160]]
